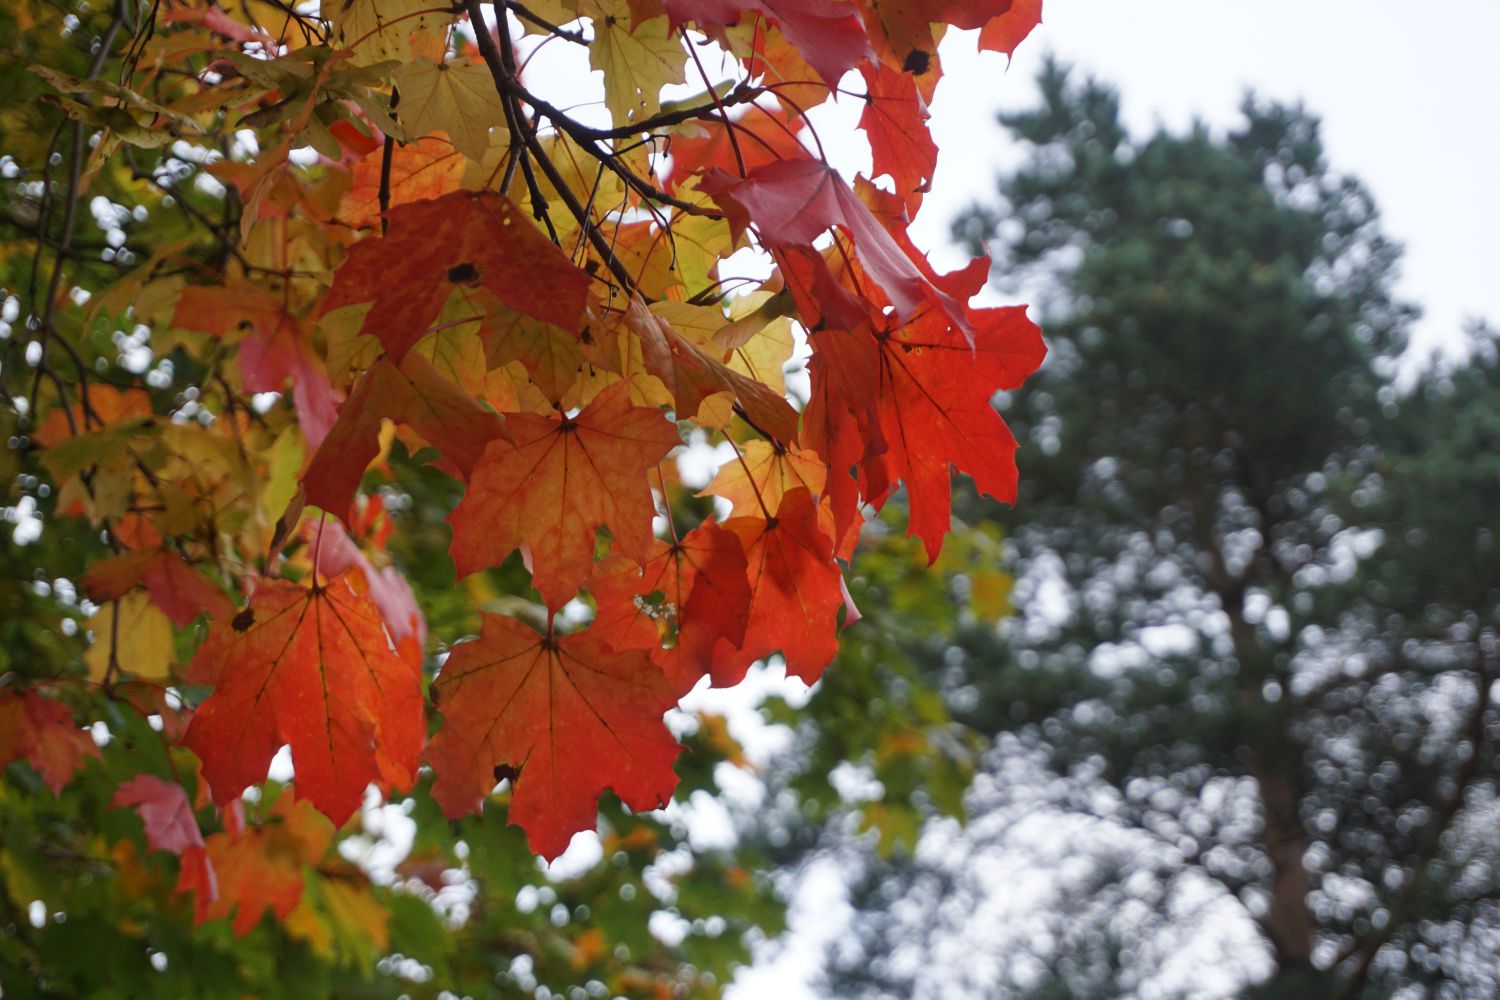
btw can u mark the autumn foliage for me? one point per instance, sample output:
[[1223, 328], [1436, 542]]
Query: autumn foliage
[[424, 254]]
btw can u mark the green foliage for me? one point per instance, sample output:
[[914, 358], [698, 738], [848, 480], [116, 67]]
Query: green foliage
[[1259, 637]]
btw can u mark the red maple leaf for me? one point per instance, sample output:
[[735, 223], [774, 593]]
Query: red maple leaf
[[927, 409], [795, 593], [828, 33], [171, 826], [895, 119], [275, 348], [567, 716], [43, 733], [413, 393], [435, 246], [427, 168], [763, 136], [309, 667], [904, 31], [793, 202], [164, 809], [1003, 32], [260, 867], [557, 480], [693, 592]]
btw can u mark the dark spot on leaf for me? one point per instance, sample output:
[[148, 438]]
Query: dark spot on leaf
[[462, 274], [917, 62], [243, 620]]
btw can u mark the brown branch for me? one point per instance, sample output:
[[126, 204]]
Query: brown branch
[[526, 14], [502, 72]]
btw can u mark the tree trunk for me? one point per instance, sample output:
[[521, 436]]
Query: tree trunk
[[1288, 922]]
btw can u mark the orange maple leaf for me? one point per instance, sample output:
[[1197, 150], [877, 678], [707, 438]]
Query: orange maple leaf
[[566, 716], [555, 482], [309, 667], [694, 592], [260, 868]]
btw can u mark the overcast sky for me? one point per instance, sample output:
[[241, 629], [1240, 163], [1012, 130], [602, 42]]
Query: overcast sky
[[1409, 95]]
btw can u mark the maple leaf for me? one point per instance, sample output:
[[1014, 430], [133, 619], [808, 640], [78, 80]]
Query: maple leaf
[[762, 473], [179, 590], [770, 56], [377, 30], [895, 119], [260, 868], [456, 98], [1005, 31], [164, 809], [793, 202], [694, 591], [435, 246], [275, 348], [568, 716], [828, 33], [427, 168], [106, 404], [171, 826], [713, 145], [309, 667], [413, 393], [931, 407], [551, 356], [692, 377], [133, 635], [904, 30], [795, 593], [636, 60], [557, 480], [42, 732], [390, 591]]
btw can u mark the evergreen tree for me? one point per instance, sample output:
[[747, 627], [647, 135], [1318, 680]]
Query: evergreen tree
[[1247, 697]]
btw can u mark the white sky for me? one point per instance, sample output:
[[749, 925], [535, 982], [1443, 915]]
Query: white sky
[[1409, 95]]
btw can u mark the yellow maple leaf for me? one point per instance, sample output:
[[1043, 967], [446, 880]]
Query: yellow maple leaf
[[142, 642], [456, 98], [378, 30], [636, 63]]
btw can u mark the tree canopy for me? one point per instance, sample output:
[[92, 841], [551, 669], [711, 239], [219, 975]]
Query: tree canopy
[[345, 368], [1244, 718]]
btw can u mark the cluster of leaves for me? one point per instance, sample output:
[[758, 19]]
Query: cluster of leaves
[[356, 264]]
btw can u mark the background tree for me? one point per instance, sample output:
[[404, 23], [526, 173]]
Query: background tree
[[1245, 719]]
